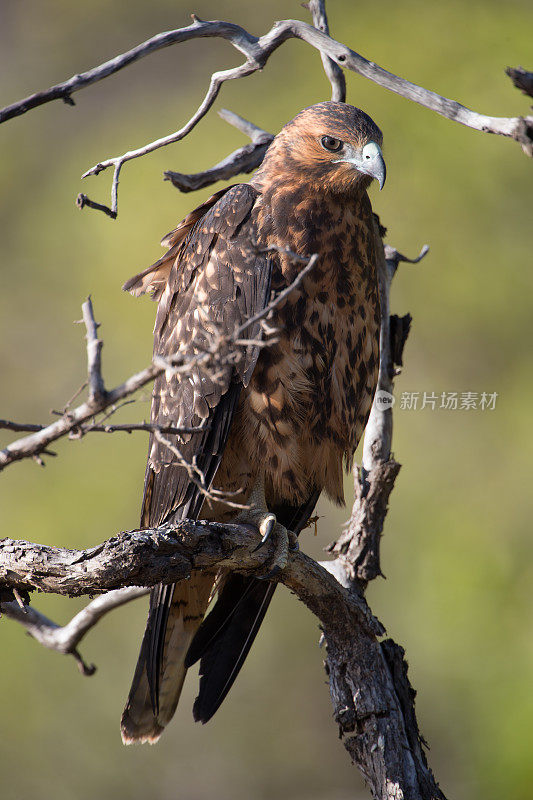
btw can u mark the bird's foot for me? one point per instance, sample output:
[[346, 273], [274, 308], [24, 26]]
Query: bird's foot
[[270, 528]]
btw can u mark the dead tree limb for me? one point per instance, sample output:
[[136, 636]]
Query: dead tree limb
[[257, 52], [243, 160], [81, 430], [366, 700], [65, 639], [334, 73]]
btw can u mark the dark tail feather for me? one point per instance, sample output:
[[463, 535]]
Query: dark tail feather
[[224, 639], [225, 643]]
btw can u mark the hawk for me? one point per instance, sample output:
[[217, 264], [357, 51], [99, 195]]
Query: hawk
[[276, 425]]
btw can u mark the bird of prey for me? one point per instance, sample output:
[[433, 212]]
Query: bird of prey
[[277, 424]]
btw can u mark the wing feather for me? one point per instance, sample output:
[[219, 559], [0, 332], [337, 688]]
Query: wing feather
[[153, 279], [215, 282]]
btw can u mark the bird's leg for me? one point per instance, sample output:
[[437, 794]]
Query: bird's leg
[[259, 515]]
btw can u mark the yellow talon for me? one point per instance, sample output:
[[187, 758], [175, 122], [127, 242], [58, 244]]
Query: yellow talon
[[259, 515]]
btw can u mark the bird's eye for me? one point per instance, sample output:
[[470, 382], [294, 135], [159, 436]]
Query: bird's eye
[[329, 143]]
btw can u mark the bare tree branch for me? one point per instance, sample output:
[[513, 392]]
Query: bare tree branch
[[66, 639], [64, 91], [97, 391], [332, 70], [81, 430], [255, 133], [150, 556], [365, 692], [83, 201], [257, 52], [309, 261], [243, 160]]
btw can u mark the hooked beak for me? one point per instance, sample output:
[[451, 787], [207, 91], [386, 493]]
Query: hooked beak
[[370, 161]]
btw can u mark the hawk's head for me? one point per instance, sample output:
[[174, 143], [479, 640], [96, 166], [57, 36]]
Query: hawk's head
[[333, 147]]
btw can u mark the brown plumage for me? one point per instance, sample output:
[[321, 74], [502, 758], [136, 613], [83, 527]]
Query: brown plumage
[[288, 415]]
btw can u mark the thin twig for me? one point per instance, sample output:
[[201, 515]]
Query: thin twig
[[394, 258], [243, 160], [69, 402], [332, 70], [82, 200], [150, 427], [112, 410], [254, 132], [97, 391], [65, 639], [19, 601], [197, 476], [279, 298], [19, 427]]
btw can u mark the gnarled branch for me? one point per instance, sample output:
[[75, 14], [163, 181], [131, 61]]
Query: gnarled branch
[[243, 160], [365, 691], [66, 639], [332, 69], [257, 52]]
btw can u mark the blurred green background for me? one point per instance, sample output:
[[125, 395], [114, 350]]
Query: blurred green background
[[457, 550]]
